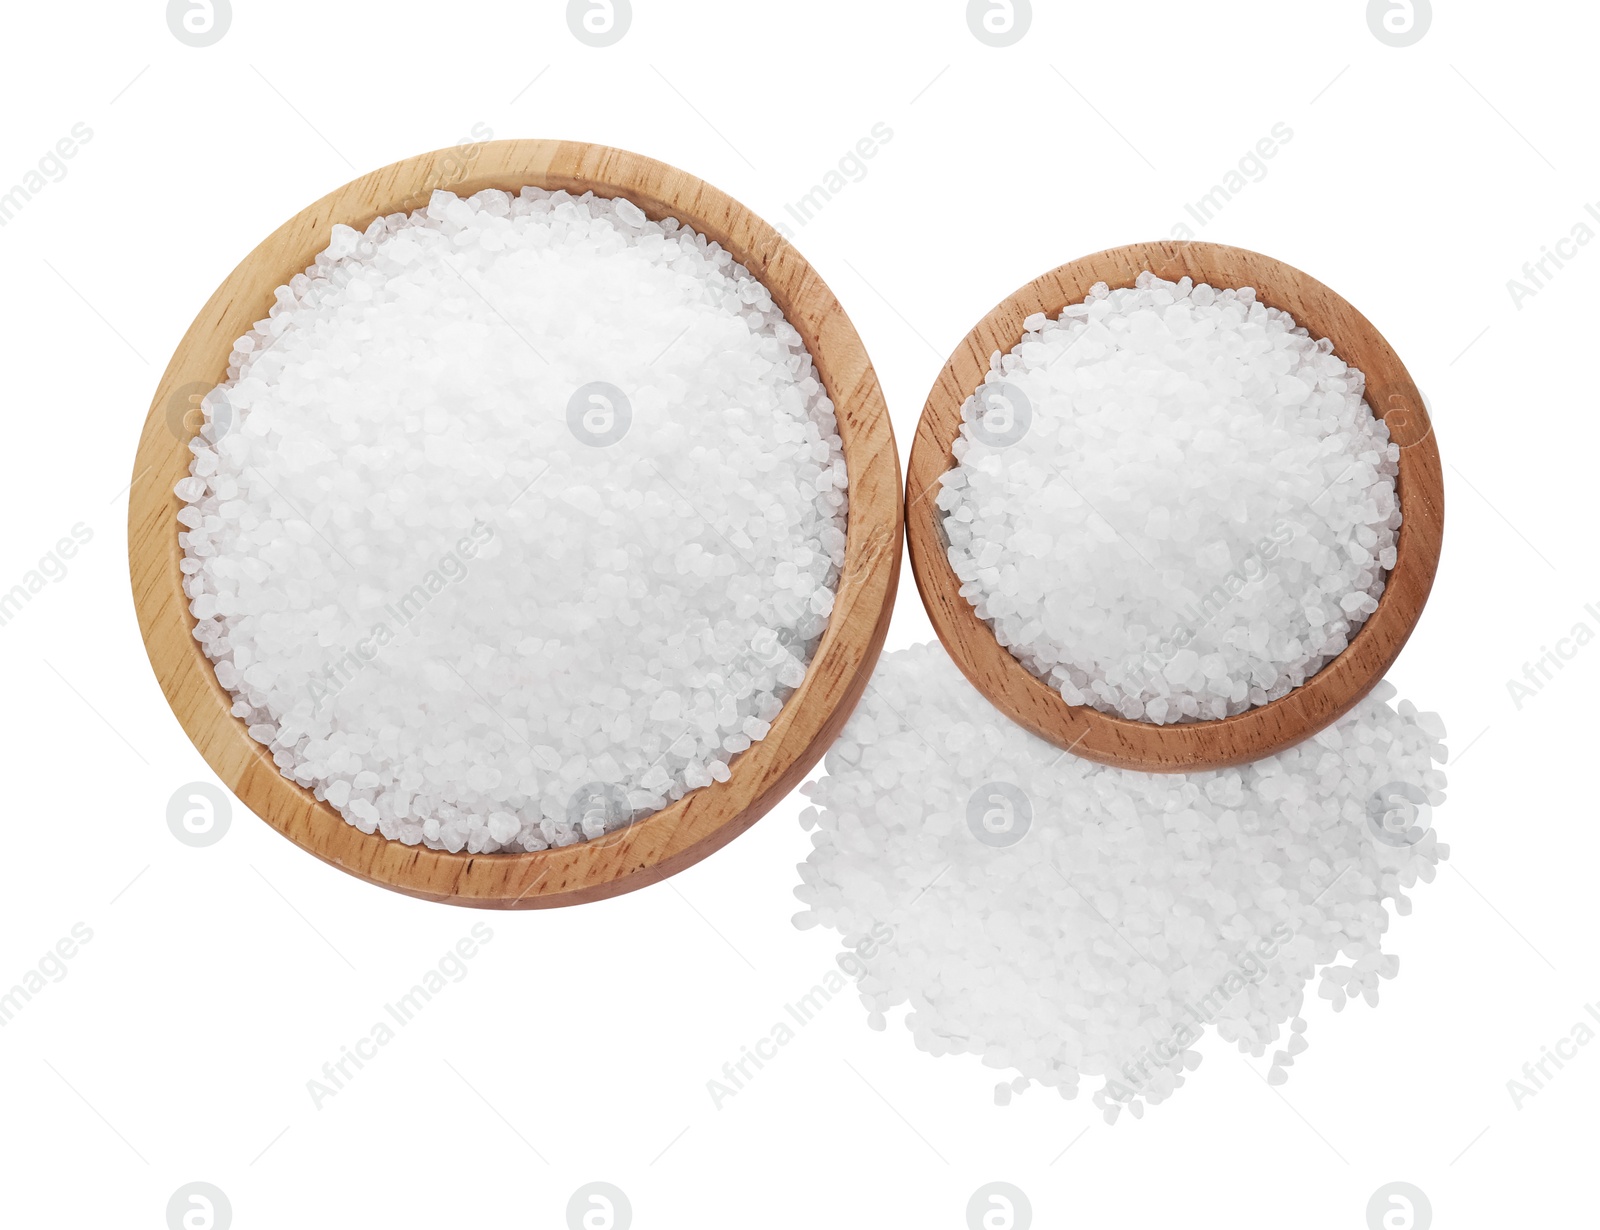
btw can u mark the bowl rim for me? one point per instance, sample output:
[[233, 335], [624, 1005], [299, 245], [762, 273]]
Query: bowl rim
[[1218, 743], [703, 820]]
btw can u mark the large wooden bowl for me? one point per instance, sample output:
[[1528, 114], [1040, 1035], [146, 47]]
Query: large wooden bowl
[[1186, 746], [701, 821]]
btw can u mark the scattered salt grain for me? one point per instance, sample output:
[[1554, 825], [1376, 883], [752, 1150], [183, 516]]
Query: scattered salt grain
[[1172, 503], [510, 524], [1069, 920]]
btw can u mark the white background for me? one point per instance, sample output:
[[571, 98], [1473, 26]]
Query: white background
[[219, 980]]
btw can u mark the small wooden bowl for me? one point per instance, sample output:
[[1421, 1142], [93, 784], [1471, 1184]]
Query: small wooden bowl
[[1259, 732], [700, 822]]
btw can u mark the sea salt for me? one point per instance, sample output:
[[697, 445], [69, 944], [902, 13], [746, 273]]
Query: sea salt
[[1064, 920], [1172, 503], [519, 517]]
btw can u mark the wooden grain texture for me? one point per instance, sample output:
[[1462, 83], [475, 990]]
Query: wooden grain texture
[[701, 821], [1087, 732]]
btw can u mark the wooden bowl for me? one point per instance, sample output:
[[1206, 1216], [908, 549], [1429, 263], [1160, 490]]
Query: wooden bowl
[[1188, 746], [700, 822]]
